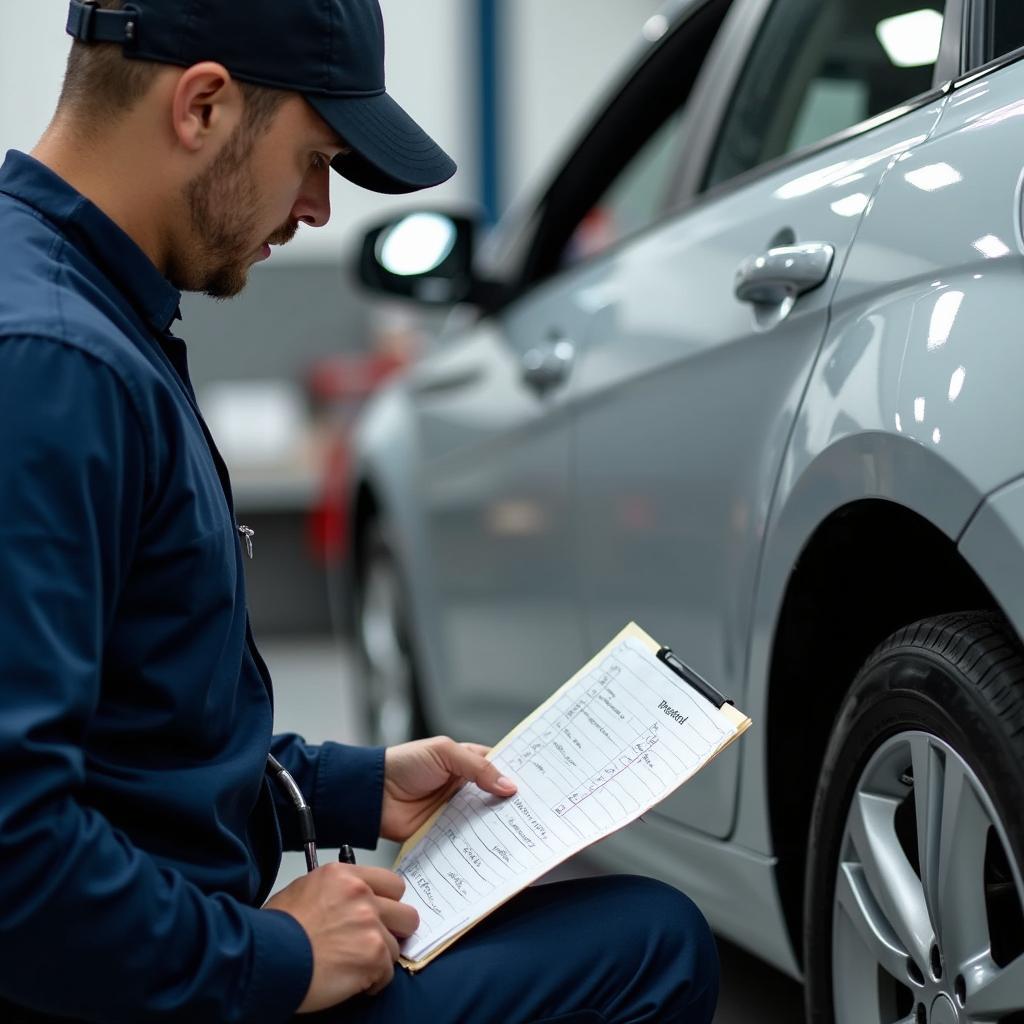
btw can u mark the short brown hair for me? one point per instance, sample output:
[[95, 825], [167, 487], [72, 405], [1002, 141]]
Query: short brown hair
[[101, 84]]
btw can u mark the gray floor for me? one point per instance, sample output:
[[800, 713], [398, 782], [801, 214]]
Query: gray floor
[[314, 696]]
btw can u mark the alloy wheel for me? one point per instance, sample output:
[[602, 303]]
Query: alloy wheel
[[928, 907]]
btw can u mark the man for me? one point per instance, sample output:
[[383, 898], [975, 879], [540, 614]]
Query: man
[[139, 834]]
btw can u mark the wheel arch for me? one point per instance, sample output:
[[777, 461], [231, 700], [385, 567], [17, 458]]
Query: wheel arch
[[871, 567]]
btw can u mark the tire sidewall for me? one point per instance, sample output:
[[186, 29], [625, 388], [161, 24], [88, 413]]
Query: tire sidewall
[[378, 548], [902, 690]]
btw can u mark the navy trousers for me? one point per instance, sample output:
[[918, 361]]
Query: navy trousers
[[614, 950]]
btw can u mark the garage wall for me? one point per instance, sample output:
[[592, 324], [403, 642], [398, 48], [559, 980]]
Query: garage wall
[[558, 59], [33, 51]]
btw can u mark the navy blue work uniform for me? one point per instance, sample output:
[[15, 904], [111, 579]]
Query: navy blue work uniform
[[139, 834]]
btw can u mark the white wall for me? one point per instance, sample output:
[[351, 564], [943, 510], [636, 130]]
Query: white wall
[[33, 51], [427, 70], [558, 56]]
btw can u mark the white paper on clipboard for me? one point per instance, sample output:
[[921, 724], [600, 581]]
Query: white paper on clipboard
[[614, 741]]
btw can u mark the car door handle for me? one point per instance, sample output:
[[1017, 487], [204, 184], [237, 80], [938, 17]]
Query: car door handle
[[784, 274], [548, 365]]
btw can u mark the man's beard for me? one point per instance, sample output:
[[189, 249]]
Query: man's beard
[[223, 209]]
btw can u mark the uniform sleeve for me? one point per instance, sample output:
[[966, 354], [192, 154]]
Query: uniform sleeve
[[344, 785], [90, 926]]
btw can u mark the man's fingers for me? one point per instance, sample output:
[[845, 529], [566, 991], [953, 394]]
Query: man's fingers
[[383, 882], [399, 918], [503, 786], [467, 761], [388, 971], [393, 947]]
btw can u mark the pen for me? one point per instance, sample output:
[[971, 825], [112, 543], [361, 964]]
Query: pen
[[284, 778]]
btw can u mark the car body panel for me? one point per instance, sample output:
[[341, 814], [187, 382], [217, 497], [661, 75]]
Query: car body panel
[[889, 383], [734, 887], [494, 491], [908, 392], [502, 626], [936, 275], [994, 545], [673, 485], [385, 447], [869, 465]]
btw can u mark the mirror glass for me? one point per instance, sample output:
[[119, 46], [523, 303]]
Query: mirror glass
[[417, 244]]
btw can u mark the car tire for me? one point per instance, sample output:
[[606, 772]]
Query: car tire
[[914, 902], [389, 685]]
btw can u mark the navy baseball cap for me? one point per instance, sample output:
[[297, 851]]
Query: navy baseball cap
[[330, 51]]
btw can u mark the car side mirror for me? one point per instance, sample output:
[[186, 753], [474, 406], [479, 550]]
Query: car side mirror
[[423, 255]]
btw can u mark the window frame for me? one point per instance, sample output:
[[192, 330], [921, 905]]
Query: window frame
[[532, 247], [973, 61], [723, 72]]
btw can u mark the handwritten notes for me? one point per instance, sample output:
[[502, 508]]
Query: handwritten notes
[[614, 741]]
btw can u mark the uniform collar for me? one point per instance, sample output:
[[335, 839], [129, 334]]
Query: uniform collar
[[127, 266]]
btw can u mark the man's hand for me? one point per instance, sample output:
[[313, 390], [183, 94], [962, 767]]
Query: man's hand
[[420, 776], [354, 921]]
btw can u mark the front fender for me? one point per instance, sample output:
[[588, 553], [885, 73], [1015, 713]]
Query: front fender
[[387, 460], [993, 544], [860, 466]]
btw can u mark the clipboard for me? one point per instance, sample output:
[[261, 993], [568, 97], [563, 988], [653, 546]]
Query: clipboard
[[738, 721]]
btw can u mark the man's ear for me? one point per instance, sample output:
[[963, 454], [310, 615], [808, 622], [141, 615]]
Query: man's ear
[[206, 107]]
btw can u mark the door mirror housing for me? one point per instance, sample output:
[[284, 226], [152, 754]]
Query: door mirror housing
[[424, 255]]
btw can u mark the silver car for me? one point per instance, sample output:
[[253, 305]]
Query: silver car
[[749, 371]]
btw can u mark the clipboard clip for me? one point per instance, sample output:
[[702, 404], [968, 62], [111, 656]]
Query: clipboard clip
[[701, 685]]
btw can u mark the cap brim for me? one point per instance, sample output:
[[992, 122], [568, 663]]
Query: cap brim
[[390, 151]]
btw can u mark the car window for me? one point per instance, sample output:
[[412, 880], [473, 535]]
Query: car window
[[1006, 27], [621, 175], [820, 66], [634, 199]]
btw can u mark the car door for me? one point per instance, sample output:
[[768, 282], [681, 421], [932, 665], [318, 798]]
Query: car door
[[495, 492], [494, 419], [705, 329]]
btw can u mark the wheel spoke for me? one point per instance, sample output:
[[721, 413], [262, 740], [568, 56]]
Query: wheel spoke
[[893, 882], [854, 899], [959, 881], [993, 992], [855, 974], [928, 792]]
